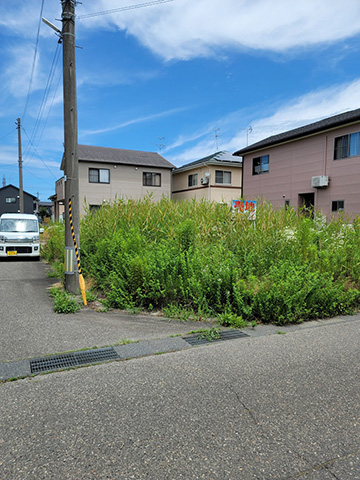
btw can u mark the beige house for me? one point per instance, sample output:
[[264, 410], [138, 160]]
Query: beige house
[[317, 165], [109, 173], [216, 178], [58, 200]]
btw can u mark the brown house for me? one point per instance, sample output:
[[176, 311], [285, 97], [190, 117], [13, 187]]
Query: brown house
[[318, 165], [215, 178], [109, 173]]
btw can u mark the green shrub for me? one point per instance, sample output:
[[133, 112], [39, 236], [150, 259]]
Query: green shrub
[[200, 257], [64, 302]]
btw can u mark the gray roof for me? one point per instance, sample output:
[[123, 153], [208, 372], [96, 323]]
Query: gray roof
[[10, 185], [218, 158], [89, 153], [329, 123]]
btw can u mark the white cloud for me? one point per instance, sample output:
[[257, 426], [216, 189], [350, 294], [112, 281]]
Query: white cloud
[[186, 29], [21, 18], [134, 121], [8, 155], [297, 112], [308, 108]]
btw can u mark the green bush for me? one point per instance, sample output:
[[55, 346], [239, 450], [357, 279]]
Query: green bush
[[64, 302], [200, 257]]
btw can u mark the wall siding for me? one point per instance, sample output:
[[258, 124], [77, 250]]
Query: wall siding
[[126, 182], [292, 166]]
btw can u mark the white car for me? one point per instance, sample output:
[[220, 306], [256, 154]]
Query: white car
[[19, 235]]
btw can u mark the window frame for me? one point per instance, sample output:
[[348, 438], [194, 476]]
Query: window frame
[[335, 203], [98, 170], [154, 176], [192, 180], [222, 172], [346, 145], [260, 163]]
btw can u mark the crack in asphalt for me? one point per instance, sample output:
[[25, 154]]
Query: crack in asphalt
[[324, 465], [250, 412]]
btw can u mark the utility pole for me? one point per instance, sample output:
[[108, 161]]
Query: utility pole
[[21, 190], [71, 167]]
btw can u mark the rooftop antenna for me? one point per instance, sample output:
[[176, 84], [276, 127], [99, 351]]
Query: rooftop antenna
[[161, 145], [248, 130], [217, 135]]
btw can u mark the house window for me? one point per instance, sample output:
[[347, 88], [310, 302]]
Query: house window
[[260, 165], [94, 208], [151, 179], [347, 146], [287, 204], [10, 200], [99, 175], [221, 176], [193, 180], [337, 205]]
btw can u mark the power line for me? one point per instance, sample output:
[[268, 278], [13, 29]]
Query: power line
[[37, 153], [6, 134], [122, 9], [34, 60], [45, 96]]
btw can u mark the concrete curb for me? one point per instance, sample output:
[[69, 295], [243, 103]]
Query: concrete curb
[[21, 369]]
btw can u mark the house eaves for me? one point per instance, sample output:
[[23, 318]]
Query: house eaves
[[322, 126]]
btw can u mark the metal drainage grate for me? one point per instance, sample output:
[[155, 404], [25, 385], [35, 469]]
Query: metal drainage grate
[[224, 335], [74, 359]]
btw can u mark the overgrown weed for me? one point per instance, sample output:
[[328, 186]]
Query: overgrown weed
[[196, 260]]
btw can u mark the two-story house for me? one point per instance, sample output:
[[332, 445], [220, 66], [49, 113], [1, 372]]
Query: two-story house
[[10, 200], [109, 173], [314, 165], [216, 178]]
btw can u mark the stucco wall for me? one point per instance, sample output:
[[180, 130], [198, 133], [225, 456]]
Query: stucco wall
[[126, 182], [212, 191]]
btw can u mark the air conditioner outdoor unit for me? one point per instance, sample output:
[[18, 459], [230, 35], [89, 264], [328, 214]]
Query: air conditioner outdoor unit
[[320, 182], [204, 180]]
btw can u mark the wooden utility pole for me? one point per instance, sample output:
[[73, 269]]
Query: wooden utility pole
[[21, 189], [71, 168]]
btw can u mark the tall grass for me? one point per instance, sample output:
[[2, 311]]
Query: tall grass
[[283, 267]]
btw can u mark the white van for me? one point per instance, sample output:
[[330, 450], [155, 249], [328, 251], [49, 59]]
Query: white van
[[19, 235]]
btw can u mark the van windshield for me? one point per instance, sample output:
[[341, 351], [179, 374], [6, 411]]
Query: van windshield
[[18, 225]]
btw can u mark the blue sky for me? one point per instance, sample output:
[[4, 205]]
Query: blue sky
[[184, 78]]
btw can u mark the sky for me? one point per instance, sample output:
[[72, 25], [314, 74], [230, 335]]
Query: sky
[[183, 78]]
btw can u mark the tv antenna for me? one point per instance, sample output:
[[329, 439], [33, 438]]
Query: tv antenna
[[217, 135], [161, 145]]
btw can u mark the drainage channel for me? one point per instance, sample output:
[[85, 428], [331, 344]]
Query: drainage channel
[[68, 360], [98, 355], [224, 335]]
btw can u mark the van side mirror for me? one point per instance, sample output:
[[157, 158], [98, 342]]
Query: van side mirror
[[41, 230]]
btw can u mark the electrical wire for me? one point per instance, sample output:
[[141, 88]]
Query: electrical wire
[[34, 61], [37, 153], [122, 9], [6, 134], [44, 98]]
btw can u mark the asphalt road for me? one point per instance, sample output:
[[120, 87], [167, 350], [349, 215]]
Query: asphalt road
[[261, 407], [29, 327]]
